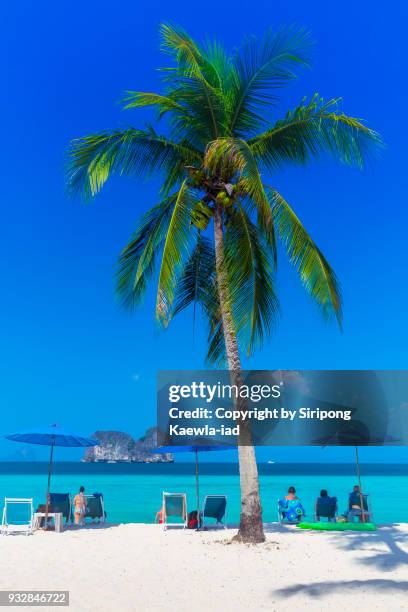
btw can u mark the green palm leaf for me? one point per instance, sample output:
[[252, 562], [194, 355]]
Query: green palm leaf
[[216, 344], [196, 79], [311, 129], [137, 260], [136, 152], [175, 249], [260, 67], [250, 280], [191, 60], [140, 99], [198, 276], [313, 268], [198, 285]]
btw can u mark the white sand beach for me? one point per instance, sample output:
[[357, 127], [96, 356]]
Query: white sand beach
[[140, 567]]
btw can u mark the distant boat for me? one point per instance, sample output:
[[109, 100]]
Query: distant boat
[[270, 461], [111, 461]]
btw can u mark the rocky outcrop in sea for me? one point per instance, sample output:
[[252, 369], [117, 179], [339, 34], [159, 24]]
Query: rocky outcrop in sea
[[120, 446]]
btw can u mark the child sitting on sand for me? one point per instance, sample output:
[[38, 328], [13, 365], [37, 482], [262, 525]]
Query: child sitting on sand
[[160, 516]]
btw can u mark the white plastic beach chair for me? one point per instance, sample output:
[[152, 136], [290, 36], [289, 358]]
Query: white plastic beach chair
[[215, 507], [174, 506], [12, 524]]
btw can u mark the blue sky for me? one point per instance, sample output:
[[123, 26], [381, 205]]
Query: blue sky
[[69, 353]]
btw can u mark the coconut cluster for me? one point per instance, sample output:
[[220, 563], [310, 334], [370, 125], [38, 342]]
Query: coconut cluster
[[226, 197]]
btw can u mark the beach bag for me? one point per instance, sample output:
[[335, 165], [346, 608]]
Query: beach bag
[[192, 520]]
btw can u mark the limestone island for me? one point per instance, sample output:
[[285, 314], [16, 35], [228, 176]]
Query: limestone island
[[120, 447]]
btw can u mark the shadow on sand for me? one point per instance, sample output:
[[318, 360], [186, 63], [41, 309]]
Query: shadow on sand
[[385, 544], [326, 588], [387, 555]]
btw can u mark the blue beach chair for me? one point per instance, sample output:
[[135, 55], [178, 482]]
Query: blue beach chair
[[326, 507], [215, 507], [61, 502], [356, 512], [95, 508]]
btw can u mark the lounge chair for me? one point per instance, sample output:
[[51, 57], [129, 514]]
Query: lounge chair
[[18, 516], [174, 506], [215, 508], [326, 507], [95, 508], [61, 502], [352, 513], [290, 510]]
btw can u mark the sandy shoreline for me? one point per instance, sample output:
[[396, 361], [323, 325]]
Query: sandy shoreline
[[135, 566]]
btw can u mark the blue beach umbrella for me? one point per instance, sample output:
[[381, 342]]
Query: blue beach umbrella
[[205, 448], [51, 436]]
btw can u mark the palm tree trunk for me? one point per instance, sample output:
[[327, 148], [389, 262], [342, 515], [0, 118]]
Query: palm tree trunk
[[250, 526]]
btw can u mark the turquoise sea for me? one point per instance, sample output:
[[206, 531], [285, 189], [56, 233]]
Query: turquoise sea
[[133, 492]]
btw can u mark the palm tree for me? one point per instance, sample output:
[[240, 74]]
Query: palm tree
[[215, 227]]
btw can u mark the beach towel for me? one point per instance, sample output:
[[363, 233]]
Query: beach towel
[[291, 509]]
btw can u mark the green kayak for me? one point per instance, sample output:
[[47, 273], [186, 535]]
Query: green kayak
[[338, 526]]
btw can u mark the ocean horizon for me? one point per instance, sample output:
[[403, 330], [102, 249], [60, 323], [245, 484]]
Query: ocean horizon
[[133, 491]]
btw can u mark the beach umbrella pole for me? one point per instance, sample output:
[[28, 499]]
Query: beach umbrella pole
[[359, 486], [47, 499]]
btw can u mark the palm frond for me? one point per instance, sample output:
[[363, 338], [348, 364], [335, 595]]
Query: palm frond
[[190, 59], [197, 286], [195, 82], [137, 260], [315, 272], [198, 275], [176, 42], [260, 67], [140, 99], [250, 280], [216, 354], [175, 250], [134, 152], [311, 129]]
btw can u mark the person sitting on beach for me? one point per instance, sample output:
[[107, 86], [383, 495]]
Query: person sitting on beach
[[325, 506], [159, 516], [291, 494], [357, 504], [290, 508], [80, 507], [354, 498]]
